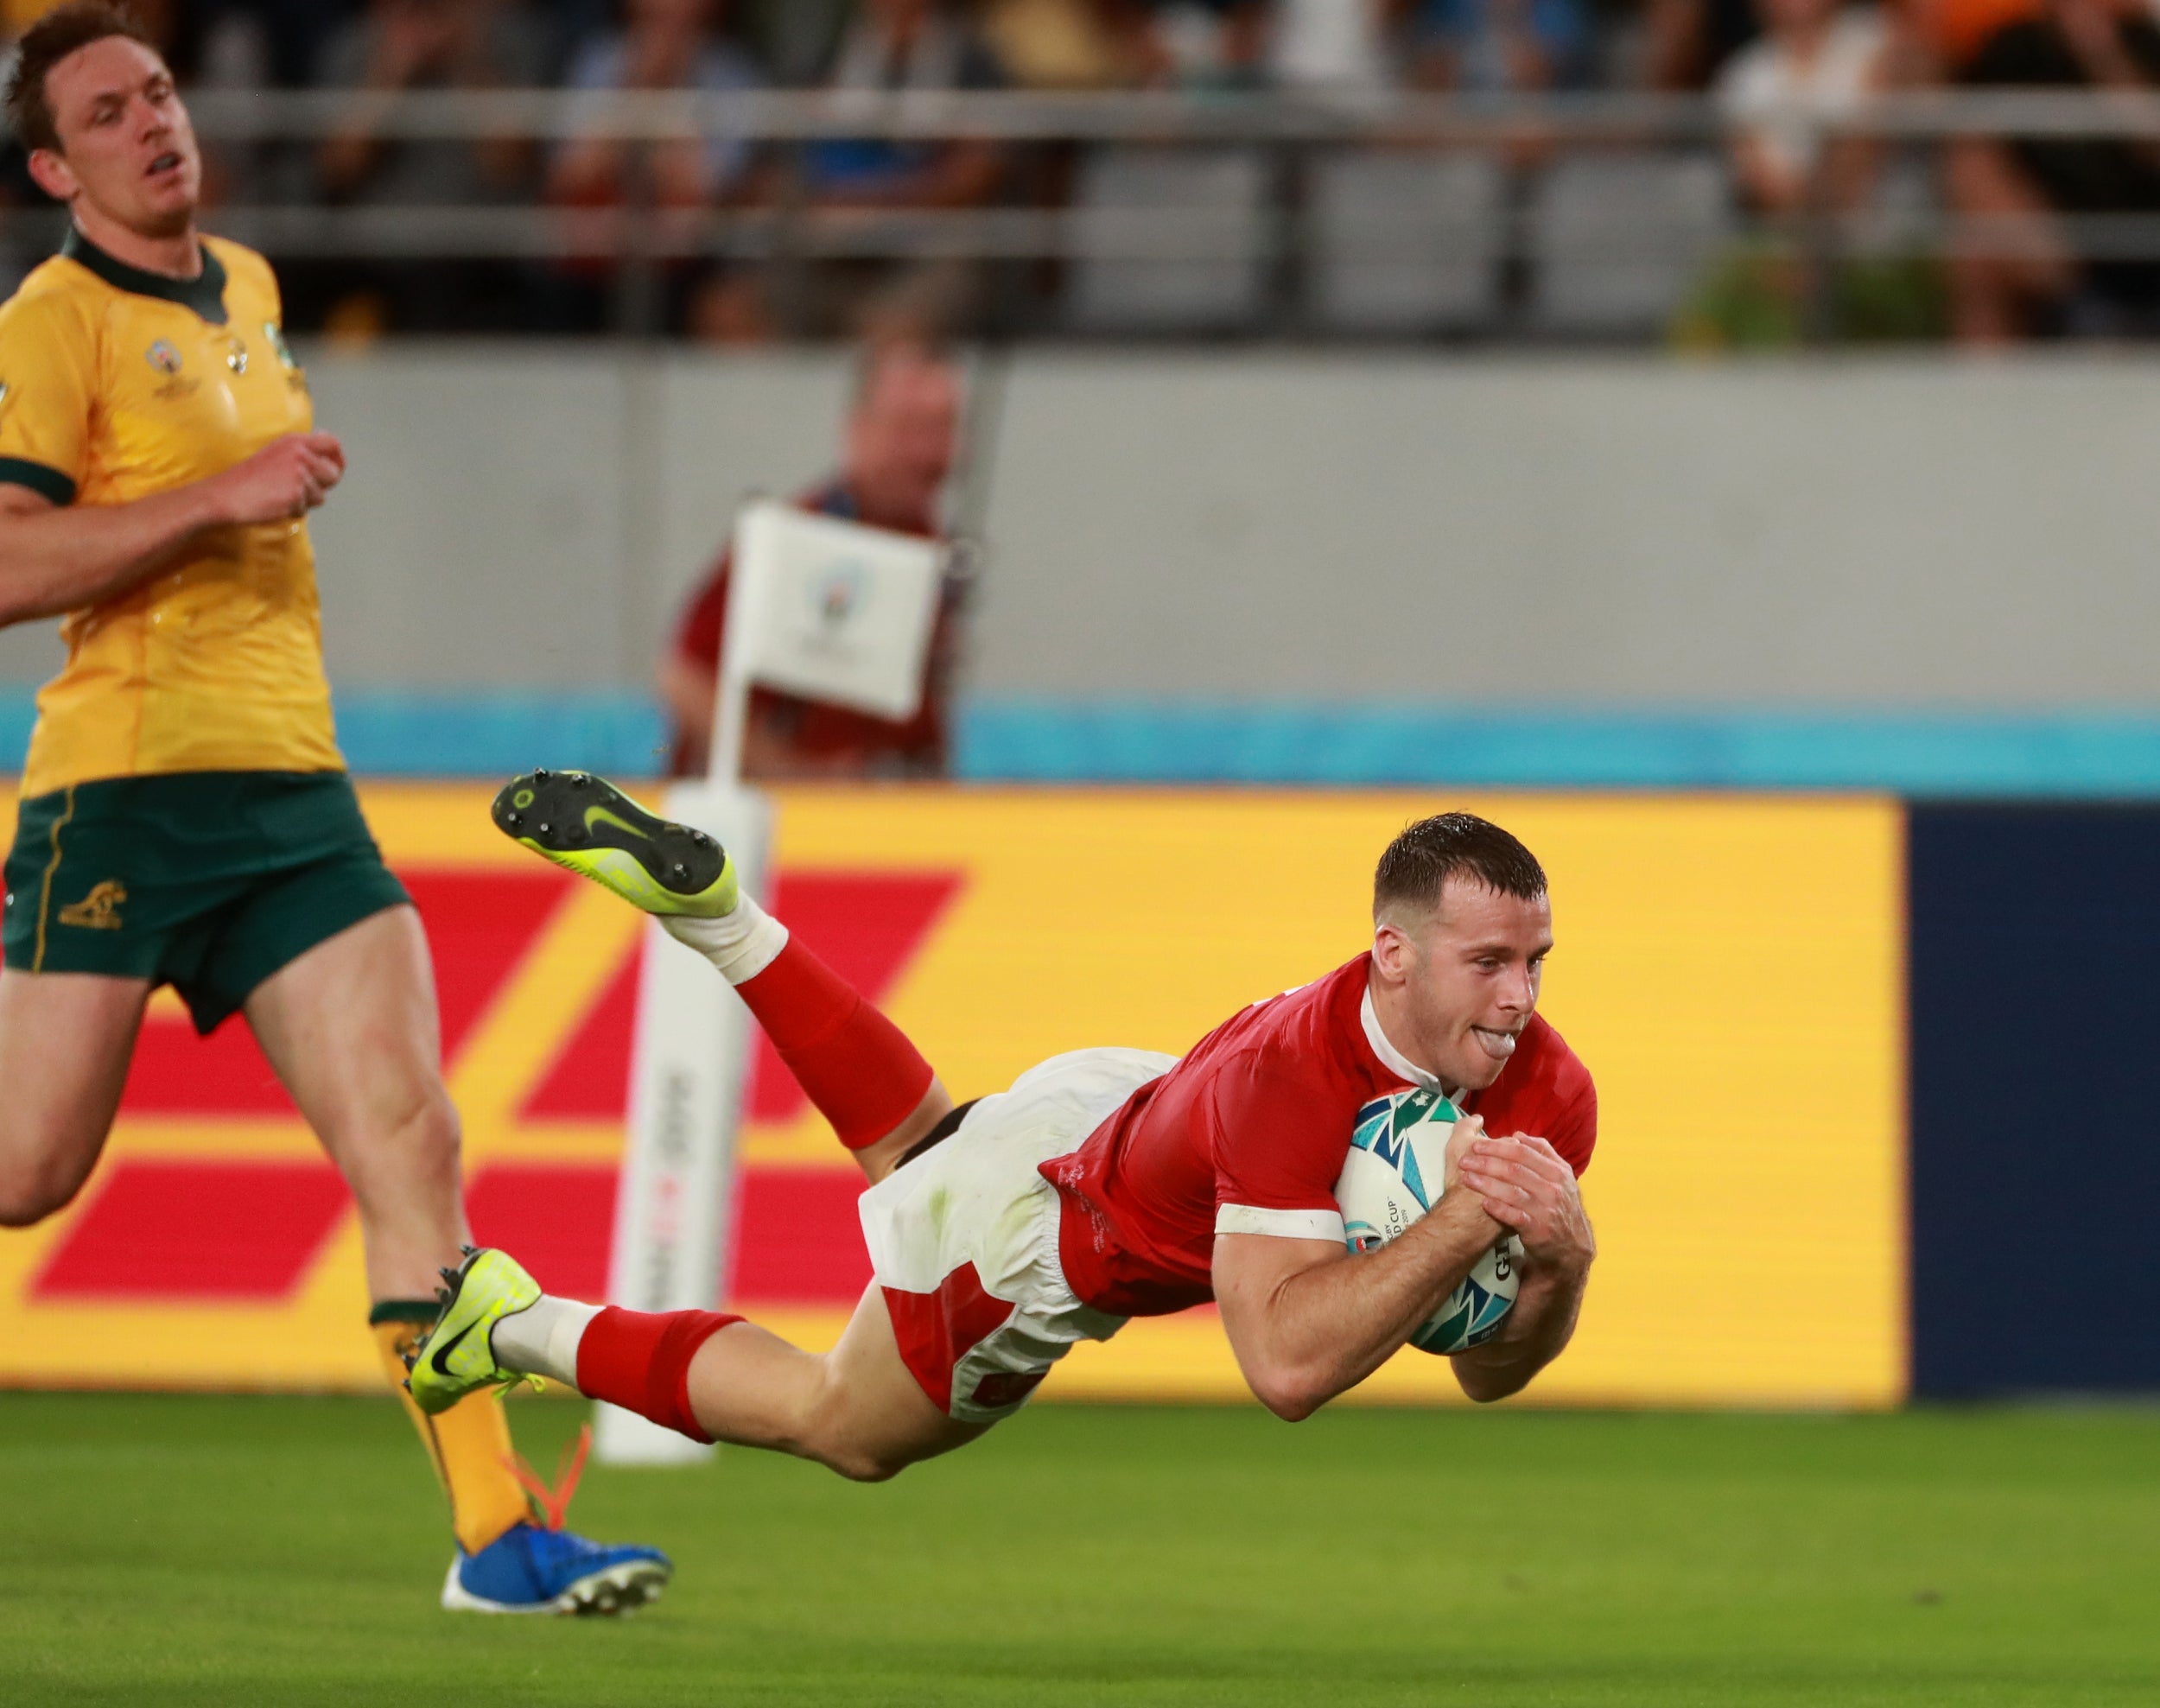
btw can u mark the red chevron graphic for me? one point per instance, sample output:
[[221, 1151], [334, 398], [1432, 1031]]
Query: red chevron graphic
[[184, 1229], [798, 1240]]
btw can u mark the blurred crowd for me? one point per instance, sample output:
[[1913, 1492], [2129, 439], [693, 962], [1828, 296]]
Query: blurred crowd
[[2015, 265]]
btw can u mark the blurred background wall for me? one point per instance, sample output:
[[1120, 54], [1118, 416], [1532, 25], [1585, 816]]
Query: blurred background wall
[[1615, 531]]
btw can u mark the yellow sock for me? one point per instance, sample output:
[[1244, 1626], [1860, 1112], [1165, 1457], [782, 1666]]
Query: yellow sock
[[469, 1445]]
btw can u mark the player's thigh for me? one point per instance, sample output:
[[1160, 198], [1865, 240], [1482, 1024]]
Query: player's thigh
[[872, 1411], [351, 1027], [65, 1039]]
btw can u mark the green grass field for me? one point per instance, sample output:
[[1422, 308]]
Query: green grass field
[[167, 1551]]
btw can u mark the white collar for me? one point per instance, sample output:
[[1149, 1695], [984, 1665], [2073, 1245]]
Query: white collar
[[1390, 1057]]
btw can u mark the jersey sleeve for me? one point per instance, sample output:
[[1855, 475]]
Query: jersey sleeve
[[47, 390], [1279, 1141], [1575, 1133]]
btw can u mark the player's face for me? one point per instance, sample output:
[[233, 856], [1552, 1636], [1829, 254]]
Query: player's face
[[1473, 969], [902, 438], [126, 148]]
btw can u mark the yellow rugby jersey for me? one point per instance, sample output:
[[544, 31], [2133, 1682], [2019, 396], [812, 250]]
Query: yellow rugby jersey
[[115, 384]]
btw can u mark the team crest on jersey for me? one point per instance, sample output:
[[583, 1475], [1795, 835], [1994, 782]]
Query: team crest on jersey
[[99, 911], [236, 358], [163, 357]]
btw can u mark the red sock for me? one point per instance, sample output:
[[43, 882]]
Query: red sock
[[640, 1361], [857, 1067]]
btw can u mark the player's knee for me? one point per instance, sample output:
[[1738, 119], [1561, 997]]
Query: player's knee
[[440, 1136], [425, 1134], [860, 1467], [828, 1437], [33, 1191], [415, 1144], [26, 1205]]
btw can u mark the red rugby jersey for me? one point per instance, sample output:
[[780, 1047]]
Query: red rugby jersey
[[1248, 1135]]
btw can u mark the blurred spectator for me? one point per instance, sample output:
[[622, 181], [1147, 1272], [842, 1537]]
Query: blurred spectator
[[289, 34], [903, 431], [664, 44], [2029, 277], [792, 39], [1053, 44], [1946, 34], [1330, 45], [905, 45], [1814, 65], [1498, 46], [898, 45], [1191, 43], [1688, 42], [400, 45]]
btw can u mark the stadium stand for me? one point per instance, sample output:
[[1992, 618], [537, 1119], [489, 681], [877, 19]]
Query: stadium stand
[[1160, 169]]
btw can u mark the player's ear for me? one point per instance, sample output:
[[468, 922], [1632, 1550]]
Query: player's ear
[[51, 173], [1393, 951]]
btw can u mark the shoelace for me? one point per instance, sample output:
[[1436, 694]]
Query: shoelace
[[553, 1503]]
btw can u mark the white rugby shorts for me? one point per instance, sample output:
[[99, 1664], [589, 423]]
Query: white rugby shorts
[[964, 1238]]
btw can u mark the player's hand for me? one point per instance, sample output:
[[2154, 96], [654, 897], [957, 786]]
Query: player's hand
[[1468, 1130], [288, 477], [1528, 1187]]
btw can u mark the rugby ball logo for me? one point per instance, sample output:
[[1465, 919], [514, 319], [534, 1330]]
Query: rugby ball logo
[[1391, 1176]]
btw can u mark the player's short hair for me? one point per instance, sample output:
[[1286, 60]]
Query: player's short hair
[[45, 44], [1419, 861]]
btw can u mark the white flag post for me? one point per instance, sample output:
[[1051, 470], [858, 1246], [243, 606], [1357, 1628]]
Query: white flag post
[[831, 611]]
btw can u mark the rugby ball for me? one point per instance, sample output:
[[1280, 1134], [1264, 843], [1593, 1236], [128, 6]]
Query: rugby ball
[[1391, 1176]]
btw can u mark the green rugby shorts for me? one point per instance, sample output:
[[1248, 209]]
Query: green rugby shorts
[[209, 881]]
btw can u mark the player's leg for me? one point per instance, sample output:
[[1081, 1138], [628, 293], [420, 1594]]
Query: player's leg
[[65, 1039], [970, 1312], [856, 1409], [351, 1027], [87, 925], [859, 1070]]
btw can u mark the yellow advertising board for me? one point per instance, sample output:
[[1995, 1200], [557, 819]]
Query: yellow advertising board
[[1731, 969]]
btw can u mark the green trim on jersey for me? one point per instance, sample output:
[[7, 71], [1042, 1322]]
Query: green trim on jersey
[[205, 293], [49, 483]]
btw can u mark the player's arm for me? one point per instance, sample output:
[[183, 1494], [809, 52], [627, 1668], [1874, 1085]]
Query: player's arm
[[1309, 1321], [1527, 1185], [56, 558]]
